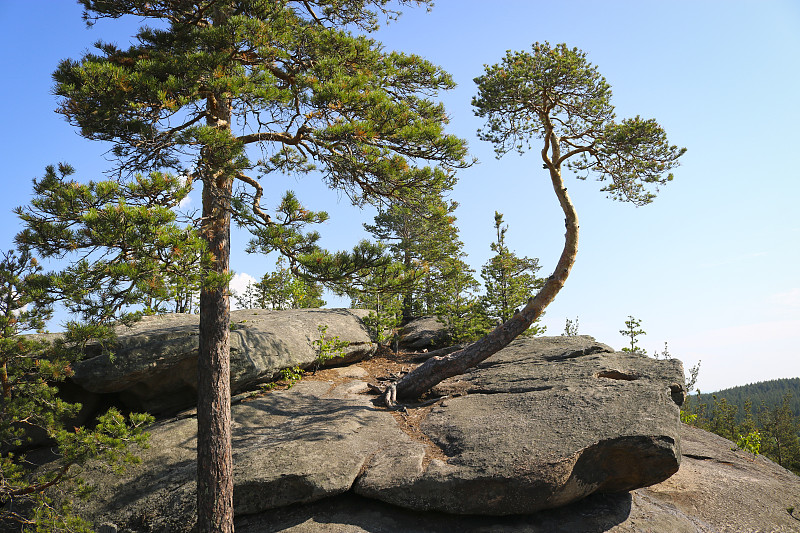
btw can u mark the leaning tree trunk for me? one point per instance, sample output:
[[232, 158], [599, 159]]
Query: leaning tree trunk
[[214, 455], [439, 368]]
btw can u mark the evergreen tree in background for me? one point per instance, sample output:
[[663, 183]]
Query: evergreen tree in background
[[774, 432], [184, 278], [214, 77], [460, 308], [381, 294], [281, 289], [422, 240], [780, 431], [633, 330], [570, 327], [770, 393], [425, 245], [723, 419], [509, 280]]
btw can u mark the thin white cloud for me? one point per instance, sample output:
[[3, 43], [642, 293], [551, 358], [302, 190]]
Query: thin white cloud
[[238, 284], [790, 298], [188, 200]]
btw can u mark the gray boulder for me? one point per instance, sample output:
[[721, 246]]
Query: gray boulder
[[154, 365], [299, 445], [716, 490], [542, 424], [424, 333]]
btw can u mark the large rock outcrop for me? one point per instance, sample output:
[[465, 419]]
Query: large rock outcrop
[[154, 365], [542, 424], [716, 490]]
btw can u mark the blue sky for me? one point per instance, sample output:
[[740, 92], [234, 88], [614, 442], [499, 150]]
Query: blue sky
[[710, 267]]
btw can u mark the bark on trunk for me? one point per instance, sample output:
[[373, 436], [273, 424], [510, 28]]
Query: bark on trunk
[[437, 369], [214, 455]]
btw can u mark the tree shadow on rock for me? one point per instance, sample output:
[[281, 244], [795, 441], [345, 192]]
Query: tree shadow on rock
[[352, 513]]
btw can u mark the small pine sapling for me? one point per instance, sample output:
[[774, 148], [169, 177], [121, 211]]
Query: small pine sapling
[[633, 331], [328, 348], [570, 328]]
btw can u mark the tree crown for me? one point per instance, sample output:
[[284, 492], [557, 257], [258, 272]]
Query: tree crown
[[555, 94], [289, 78]]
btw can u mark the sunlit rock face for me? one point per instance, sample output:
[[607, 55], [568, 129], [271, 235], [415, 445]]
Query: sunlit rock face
[[541, 425], [153, 367]]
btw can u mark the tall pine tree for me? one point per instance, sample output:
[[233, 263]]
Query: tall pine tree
[[509, 280], [287, 76], [422, 239]]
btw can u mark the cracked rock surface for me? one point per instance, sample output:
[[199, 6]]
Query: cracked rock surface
[[723, 491], [544, 423], [299, 445]]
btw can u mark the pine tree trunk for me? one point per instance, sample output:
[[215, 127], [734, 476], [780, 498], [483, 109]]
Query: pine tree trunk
[[437, 369], [214, 454]]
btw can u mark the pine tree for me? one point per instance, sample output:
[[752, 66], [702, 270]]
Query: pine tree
[[380, 293], [422, 240], [723, 418], [554, 94], [249, 299], [31, 371], [425, 244], [459, 306], [509, 280], [780, 430], [287, 77], [633, 330], [133, 247], [570, 328]]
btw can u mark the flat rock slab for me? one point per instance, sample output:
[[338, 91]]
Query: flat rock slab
[[154, 365], [545, 422], [299, 445]]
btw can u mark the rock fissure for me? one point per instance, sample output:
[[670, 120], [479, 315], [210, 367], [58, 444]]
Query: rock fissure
[[520, 390], [706, 458], [616, 374], [409, 422], [579, 353]]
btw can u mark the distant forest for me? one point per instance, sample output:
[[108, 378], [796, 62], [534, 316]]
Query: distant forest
[[768, 393], [762, 418]]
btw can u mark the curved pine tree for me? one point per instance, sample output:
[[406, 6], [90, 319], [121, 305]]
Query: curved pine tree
[[553, 94]]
